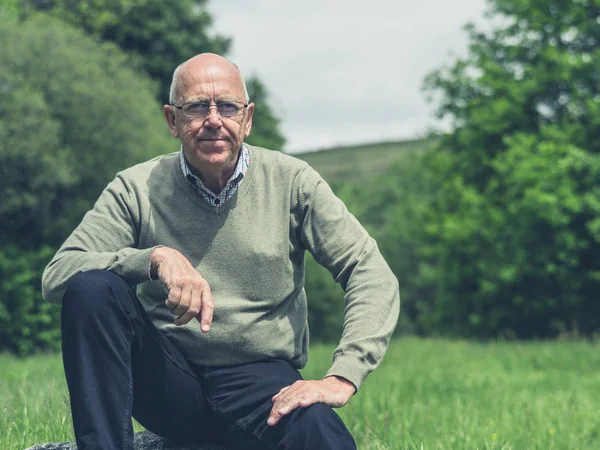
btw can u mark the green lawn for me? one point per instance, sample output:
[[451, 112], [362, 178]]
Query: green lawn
[[428, 394], [361, 162]]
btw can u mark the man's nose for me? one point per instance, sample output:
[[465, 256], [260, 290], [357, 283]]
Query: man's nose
[[213, 118]]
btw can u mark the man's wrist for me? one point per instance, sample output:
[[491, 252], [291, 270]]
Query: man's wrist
[[342, 383], [155, 261]]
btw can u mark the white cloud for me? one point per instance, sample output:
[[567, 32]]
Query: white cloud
[[341, 72]]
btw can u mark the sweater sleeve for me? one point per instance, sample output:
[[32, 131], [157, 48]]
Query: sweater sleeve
[[372, 302], [106, 239]]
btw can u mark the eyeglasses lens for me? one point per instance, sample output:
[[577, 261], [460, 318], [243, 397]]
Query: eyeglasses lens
[[201, 109]]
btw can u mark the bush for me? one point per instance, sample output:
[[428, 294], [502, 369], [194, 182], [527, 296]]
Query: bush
[[27, 322], [519, 259]]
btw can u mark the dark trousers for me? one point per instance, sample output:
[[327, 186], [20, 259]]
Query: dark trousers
[[118, 365]]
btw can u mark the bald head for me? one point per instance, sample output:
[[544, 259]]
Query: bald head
[[202, 63]]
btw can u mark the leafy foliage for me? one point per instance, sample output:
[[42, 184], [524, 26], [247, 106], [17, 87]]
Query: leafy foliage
[[512, 231], [27, 323], [540, 69], [325, 303], [71, 115], [9, 7], [266, 130]]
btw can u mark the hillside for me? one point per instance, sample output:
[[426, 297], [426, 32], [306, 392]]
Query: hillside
[[362, 161]]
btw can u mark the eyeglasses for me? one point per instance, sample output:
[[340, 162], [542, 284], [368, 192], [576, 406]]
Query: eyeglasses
[[200, 109]]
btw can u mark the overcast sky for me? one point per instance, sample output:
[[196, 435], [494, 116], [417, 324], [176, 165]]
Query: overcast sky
[[346, 71]]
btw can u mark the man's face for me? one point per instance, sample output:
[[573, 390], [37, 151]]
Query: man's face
[[212, 141]]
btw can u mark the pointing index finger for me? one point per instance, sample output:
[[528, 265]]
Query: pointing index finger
[[208, 307]]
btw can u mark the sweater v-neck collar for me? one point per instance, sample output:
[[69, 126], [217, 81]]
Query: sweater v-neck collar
[[190, 192]]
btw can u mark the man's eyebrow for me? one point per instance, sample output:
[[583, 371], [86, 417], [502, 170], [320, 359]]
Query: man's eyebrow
[[196, 100], [226, 98]]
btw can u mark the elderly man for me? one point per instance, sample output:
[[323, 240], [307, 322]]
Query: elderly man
[[182, 289]]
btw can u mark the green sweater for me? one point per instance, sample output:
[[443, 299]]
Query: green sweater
[[251, 252]]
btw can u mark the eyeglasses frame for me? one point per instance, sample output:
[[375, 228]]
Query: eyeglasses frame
[[211, 105]]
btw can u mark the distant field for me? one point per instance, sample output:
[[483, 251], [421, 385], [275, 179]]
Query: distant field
[[360, 162], [428, 394]]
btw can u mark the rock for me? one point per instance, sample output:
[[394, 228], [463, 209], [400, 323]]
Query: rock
[[144, 440]]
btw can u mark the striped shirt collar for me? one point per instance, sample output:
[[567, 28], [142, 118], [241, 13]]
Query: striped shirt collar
[[231, 187]]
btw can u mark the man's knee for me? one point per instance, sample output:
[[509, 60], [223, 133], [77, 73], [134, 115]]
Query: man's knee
[[89, 293], [321, 423]]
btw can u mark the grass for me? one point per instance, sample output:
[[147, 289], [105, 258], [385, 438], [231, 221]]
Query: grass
[[361, 162], [427, 394]]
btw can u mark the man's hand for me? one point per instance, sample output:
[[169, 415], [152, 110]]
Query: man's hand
[[333, 391], [189, 293]]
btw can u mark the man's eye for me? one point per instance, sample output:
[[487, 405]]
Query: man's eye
[[227, 107], [198, 107]]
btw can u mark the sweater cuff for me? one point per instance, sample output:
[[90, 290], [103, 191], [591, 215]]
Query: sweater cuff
[[136, 266], [351, 367]]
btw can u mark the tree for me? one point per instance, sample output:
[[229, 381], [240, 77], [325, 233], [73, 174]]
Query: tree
[[513, 232], [265, 125], [540, 69], [71, 115]]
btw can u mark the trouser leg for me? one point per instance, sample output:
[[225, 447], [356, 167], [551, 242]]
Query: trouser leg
[[118, 364], [241, 395], [316, 427]]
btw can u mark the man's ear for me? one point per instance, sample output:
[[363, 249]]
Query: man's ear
[[170, 116], [250, 113]]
